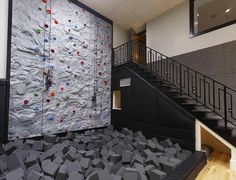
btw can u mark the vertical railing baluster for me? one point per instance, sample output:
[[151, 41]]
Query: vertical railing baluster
[[196, 86], [188, 81], [204, 86], [180, 79], [214, 99], [150, 60], [173, 71], [225, 106]]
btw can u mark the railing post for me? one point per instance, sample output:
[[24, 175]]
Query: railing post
[[150, 66], [180, 79], [196, 85], [204, 86], [225, 105], [214, 98]]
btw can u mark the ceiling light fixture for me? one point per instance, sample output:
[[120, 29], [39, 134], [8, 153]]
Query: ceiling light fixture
[[227, 10], [198, 14]]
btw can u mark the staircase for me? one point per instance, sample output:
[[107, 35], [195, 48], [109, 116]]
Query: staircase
[[208, 100]]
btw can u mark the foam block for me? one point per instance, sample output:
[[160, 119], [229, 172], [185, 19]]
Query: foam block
[[131, 174], [139, 167], [36, 167], [114, 157], [38, 146], [49, 167], [33, 175], [9, 147], [50, 138], [141, 146], [157, 174], [127, 156], [17, 174], [31, 160], [62, 173], [14, 162]]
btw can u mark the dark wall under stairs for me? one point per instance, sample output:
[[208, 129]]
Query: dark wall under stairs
[[152, 112]]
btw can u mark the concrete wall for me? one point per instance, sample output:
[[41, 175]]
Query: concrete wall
[[120, 35], [169, 33], [3, 36]]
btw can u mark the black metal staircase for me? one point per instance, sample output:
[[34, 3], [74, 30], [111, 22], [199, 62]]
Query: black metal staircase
[[208, 100]]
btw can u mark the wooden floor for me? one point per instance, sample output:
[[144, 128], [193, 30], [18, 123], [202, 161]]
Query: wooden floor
[[217, 168]]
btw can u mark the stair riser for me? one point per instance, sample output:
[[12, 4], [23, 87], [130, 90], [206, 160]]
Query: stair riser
[[203, 114], [210, 123]]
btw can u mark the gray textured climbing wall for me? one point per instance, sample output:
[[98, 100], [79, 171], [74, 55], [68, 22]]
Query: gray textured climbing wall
[[57, 43]]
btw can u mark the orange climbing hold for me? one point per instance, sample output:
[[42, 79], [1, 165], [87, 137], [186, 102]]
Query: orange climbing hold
[[56, 21]]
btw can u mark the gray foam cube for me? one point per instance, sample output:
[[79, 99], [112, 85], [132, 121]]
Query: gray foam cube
[[70, 155], [139, 167], [36, 167], [33, 175], [17, 174], [62, 173], [168, 166], [114, 157], [76, 176], [131, 174], [157, 174], [50, 138], [166, 143], [9, 147], [127, 156], [31, 160], [14, 161], [49, 167], [151, 145], [141, 146], [74, 167], [98, 163], [38, 146]]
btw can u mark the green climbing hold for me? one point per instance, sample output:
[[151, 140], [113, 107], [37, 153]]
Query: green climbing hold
[[58, 104], [67, 97], [36, 95], [40, 9], [38, 31]]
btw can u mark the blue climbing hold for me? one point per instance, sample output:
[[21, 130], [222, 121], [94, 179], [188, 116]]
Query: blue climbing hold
[[70, 37], [51, 117], [46, 40]]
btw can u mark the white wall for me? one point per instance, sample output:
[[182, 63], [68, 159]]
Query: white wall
[[120, 35], [169, 33], [3, 36]]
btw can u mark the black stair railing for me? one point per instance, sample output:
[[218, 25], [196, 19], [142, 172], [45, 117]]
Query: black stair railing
[[212, 94]]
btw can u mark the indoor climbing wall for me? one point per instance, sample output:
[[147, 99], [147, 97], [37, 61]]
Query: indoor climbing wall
[[60, 68]]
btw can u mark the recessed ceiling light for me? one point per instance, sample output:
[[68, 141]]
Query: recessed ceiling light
[[198, 14], [227, 10]]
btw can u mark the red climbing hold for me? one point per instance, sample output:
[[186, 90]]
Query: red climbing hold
[[78, 52], [26, 102], [56, 21], [62, 89], [69, 20], [82, 62], [52, 94], [74, 111], [46, 25], [48, 100], [85, 25], [49, 11], [45, 1], [52, 50], [99, 65], [100, 73]]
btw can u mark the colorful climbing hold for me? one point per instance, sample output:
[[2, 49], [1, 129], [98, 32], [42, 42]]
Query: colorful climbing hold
[[67, 97], [46, 40], [56, 21], [85, 25], [99, 65], [100, 73], [49, 11], [62, 119], [82, 63], [52, 94], [48, 100], [51, 117], [68, 67], [40, 9], [54, 39], [58, 104], [101, 51], [69, 20], [71, 37], [74, 45], [26, 102], [78, 52], [36, 95], [73, 111], [67, 83], [38, 31], [52, 50], [62, 88], [46, 25], [45, 1]]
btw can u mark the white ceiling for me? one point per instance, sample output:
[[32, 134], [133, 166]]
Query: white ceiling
[[131, 13]]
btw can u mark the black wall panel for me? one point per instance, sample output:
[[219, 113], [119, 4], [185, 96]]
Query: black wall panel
[[3, 110], [150, 111]]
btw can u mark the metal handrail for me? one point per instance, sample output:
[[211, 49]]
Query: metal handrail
[[205, 90]]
